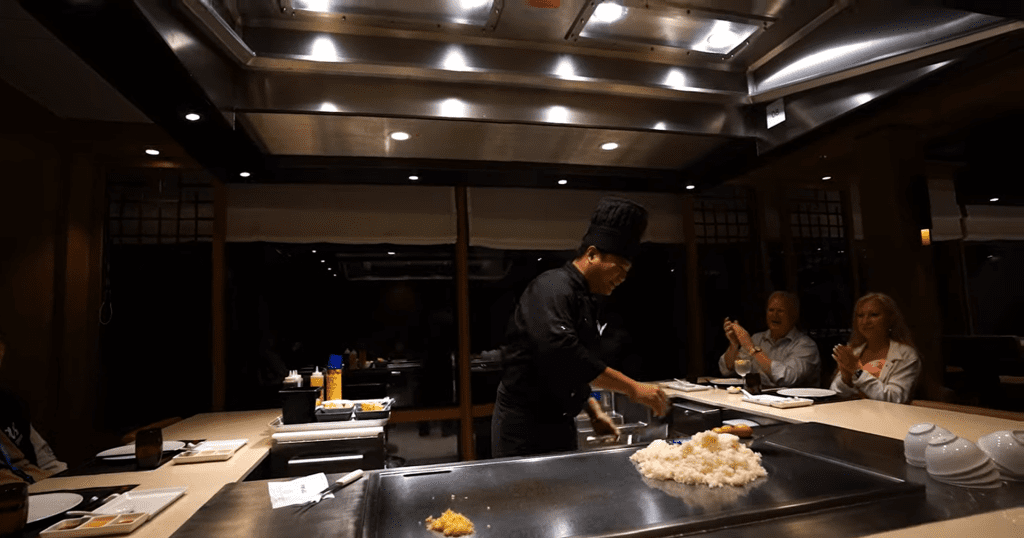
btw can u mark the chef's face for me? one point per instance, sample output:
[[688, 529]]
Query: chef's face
[[605, 271], [871, 319], [780, 316]]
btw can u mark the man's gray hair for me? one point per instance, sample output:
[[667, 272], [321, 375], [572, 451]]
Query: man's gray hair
[[791, 299]]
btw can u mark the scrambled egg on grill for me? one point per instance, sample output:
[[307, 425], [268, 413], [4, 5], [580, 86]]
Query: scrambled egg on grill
[[451, 524]]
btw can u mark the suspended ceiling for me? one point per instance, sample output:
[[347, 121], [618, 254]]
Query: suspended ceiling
[[678, 86]]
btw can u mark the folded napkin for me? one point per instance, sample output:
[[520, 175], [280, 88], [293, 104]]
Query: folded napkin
[[777, 401], [685, 386]]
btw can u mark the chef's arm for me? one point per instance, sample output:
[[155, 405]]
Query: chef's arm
[[643, 393], [600, 420]]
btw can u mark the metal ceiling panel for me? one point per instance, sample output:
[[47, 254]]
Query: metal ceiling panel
[[468, 12], [343, 136], [285, 50], [688, 29], [864, 36], [414, 99]]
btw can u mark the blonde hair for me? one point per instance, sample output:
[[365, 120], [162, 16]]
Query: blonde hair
[[895, 323]]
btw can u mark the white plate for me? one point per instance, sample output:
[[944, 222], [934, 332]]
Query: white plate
[[726, 381], [44, 505], [127, 452], [150, 501], [807, 393]]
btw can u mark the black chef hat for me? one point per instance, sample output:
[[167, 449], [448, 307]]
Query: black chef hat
[[617, 227]]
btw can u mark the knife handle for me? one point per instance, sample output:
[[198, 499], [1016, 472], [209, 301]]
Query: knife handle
[[349, 478]]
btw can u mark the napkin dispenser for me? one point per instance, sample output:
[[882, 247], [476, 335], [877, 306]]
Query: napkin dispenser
[[298, 406]]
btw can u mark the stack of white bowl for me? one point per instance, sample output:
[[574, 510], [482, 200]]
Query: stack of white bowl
[[1006, 448], [917, 440], [959, 462]]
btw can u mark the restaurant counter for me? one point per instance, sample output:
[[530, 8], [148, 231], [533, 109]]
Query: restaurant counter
[[205, 480]]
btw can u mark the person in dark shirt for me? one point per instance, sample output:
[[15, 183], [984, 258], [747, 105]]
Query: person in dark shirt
[[24, 454], [552, 354]]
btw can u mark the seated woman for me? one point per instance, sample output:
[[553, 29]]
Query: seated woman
[[880, 361]]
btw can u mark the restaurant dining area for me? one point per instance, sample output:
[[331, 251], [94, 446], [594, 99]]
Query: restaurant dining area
[[537, 268]]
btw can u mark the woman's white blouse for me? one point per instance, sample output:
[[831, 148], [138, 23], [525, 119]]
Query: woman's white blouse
[[896, 381]]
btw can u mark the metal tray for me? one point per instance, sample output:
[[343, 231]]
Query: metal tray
[[602, 494]]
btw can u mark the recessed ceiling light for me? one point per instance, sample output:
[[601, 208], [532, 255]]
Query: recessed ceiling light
[[314, 251], [323, 261], [414, 178], [609, 12], [399, 135], [153, 152], [826, 178], [391, 253], [691, 187], [539, 259], [192, 116], [562, 181], [608, 146], [993, 199], [244, 174], [724, 39]]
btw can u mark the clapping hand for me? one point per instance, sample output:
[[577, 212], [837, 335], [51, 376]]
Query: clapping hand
[[730, 333], [742, 336], [844, 356]]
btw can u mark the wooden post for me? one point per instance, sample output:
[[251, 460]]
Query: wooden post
[[218, 354], [462, 311], [695, 365]]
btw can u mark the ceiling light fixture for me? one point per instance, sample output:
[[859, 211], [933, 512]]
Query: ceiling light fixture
[[192, 116], [562, 181], [244, 174], [993, 199], [557, 114], [399, 135], [390, 253], [608, 12], [324, 50], [608, 146], [314, 251], [691, 187], [153, 152], [826, 178], [724, 40], [414, 178], [323, 261]]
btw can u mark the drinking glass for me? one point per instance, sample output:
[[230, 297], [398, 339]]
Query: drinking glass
[[13, 507], [149, 448], [742, 366]]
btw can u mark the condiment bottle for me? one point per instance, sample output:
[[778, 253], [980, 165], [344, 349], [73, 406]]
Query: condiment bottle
[[317, 380], [334, 366], [293, 381]]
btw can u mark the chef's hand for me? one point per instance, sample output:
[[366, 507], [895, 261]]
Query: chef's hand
[[730, 332], [652, 396], [603, 425]]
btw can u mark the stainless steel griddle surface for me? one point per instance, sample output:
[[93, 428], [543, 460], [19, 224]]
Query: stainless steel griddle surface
[[602, 494]]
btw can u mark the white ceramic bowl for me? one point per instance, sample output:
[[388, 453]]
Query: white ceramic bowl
[[948, 454], [917, 440], [984, 468], [1005, 448], [1008, 474]]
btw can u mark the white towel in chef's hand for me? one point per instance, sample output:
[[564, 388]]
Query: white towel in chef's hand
[[297, 491]]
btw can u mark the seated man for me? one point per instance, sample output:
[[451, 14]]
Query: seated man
[[784, 356], [24, 454]]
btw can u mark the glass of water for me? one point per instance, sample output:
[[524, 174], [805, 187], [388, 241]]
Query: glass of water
[[742, 366]]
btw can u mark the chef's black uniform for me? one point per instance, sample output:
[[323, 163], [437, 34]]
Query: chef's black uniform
[[550, 358]]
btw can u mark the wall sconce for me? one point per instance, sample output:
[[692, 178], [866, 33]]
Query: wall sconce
[[926, 237]]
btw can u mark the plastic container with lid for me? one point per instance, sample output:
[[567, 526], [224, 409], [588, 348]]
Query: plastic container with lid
[[316, 380], [293, 381], [334, 367]]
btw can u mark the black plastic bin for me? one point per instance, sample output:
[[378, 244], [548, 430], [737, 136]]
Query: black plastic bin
[[298, 406]]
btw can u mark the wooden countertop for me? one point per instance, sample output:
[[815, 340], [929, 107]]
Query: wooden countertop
[[890, 420], [204, 480], [869, 416]]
